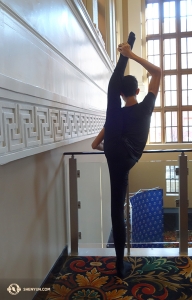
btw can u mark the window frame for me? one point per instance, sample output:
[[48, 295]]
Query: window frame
[[174, 180], [178, 71]]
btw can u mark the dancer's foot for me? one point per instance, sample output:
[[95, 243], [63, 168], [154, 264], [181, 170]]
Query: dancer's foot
[[123, 268]]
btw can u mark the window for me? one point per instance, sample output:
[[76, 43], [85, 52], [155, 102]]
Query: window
[[172, 180], [169, 45]]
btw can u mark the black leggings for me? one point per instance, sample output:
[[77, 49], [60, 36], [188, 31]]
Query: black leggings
[[118, 170]]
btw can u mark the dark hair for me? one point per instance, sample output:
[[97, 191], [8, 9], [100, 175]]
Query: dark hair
[[129, 86]]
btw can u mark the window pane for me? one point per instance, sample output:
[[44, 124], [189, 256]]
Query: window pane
[[157, 102], [186, 89], [186, 15], [152, 135], [173, 82], [153, 120], [167, 82], [190, 60], [184, 82], [183, 45], [156, 47], [190, 134], [184, 97], [173, 62], [173, 98], [166, 9], [187, 126], [189, 24], [167, 172], [167, 46], [168, 135], [152, 20], [185, 118], [183, 8], [168, 119], [150, 49], [172, 186], [172, 9], [170, 48], [168, 188], [172, 25], [169, 16], [156, 26], [174, 134], [173, 45], [189, 44], [153, 52], [155, 10], [166, 25], [149, 27], [183, 24], [177, 186], [167, 62], [158, 135], [168, 98], [155, 128], [186, 49], [185, 134], [157, 60], [174, 118], [190, 97], [172, 182], [171, 126], [184, 61], [190, 118], [170, 90]]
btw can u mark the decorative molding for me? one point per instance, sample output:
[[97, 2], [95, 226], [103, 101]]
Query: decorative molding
[[28, 127]]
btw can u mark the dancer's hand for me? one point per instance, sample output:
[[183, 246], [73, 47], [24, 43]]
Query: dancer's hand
[[125, 50]]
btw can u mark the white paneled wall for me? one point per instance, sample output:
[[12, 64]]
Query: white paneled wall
[[52, 59], [54, 73]]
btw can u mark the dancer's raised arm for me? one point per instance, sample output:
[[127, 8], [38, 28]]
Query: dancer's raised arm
[[155, 71]]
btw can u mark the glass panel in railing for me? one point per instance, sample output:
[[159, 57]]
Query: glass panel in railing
[[94, 198], [154, 188], [154, 195]]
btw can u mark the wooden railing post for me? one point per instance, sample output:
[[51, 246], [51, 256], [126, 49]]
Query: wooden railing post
[[183, 205], [73, 205]]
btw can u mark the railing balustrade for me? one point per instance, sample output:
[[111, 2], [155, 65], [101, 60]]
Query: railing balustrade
[[182, 202]]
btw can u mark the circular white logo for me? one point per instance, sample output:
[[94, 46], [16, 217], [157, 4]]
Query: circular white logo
[[14, 289]]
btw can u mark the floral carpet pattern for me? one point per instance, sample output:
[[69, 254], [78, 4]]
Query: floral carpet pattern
[[94, 278]]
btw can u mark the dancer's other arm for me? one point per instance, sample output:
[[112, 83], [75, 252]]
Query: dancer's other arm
[[98, 141], [155, 71]]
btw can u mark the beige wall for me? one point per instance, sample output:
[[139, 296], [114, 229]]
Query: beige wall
[[33, 219], [34, 215], [53, 82]]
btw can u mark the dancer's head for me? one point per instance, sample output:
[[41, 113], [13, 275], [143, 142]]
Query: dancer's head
[[129, 86]]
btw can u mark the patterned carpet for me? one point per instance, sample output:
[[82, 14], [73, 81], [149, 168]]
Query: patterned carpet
[[94, 278]]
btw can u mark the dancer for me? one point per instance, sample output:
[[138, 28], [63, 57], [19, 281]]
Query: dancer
[[125, 135]]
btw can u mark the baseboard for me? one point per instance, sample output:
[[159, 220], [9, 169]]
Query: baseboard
[[55, 268]]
